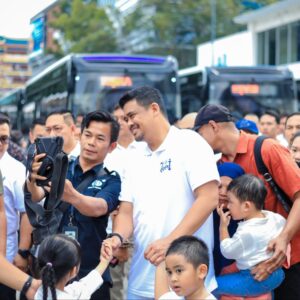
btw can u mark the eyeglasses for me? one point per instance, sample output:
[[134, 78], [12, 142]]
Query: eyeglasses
[[4, 139]]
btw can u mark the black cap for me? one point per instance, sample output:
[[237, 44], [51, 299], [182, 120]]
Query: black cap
[[212, 112]]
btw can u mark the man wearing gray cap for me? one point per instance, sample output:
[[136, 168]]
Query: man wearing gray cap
[[215, 124]]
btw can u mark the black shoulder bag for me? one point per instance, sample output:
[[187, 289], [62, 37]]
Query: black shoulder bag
[[263, 170]]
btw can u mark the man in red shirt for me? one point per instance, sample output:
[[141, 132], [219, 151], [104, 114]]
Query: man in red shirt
[[215, 124]]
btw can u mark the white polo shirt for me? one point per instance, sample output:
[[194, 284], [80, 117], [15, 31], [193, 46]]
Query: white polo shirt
[[160, 185], [13, 173], [75, 152]]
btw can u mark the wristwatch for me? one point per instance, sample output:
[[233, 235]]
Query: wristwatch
[[24, 253], [115, 234]]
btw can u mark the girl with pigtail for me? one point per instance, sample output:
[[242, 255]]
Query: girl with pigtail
[[59, 261]]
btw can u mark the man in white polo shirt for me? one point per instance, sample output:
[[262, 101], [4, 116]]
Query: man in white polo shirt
[[170, 190]]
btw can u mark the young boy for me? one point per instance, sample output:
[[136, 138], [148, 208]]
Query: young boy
[[186, 265], [249, 245]]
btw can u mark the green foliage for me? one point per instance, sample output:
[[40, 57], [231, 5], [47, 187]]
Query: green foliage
[[178, 26], [85, 28]]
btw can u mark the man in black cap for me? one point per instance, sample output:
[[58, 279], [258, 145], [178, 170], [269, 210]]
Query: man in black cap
[[215, 124]]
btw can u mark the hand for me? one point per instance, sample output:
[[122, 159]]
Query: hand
[[107, 249], [279, 247], [156, 251], [122, 254], [113, 242], [69, 192], [33, 288], [260, 272], [36, 164], [224, 216], [21, 263]]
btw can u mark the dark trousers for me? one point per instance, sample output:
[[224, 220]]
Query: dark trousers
[[102, 293], [290, 287], [6, 293]]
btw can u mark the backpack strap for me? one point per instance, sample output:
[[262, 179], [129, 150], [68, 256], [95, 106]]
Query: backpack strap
[[263, 170]]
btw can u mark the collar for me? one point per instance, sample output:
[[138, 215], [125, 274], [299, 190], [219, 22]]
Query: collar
[[166, 142], [77, 167], [241, 147], [243, 143], [5, 156]]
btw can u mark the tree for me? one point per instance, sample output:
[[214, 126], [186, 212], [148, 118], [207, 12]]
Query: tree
[[178, 26], [84, 28]]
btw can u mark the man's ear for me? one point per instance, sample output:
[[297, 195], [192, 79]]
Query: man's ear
[[214, 125], [155, 107], [112, 147]]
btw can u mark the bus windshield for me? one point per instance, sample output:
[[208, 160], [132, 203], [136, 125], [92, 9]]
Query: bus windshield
[[246, 97], [104, 90], [83, 83]]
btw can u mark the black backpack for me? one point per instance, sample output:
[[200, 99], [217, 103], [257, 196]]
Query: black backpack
[[263, 170]]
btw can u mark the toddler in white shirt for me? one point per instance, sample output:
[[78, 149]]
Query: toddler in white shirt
[[249, 244]]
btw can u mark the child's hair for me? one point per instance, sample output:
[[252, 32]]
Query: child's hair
[[58, 254], [249, 188], [193, 249]]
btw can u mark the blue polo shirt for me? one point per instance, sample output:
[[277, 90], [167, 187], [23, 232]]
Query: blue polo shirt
[[92, 230]]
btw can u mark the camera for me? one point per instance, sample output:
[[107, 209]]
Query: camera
[[51, 146]]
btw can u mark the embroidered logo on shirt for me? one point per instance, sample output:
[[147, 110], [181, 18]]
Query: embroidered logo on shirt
[[97, 184], [165, 165]]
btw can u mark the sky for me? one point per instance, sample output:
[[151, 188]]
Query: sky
[[15, 16]]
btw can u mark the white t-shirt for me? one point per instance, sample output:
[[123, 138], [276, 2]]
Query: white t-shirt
[[13, 174], [248, 246], [173, 296], [82, 289], [160, 186]]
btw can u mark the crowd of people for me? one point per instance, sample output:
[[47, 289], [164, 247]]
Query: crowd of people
[[154, 210]]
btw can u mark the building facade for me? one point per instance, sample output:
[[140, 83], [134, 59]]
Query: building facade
[[14, 67]]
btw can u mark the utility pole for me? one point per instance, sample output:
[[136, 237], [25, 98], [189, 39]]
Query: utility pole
[[213, 25]]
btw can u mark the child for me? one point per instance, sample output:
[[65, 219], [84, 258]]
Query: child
[[59, 260], [249, 245], [186, 265]]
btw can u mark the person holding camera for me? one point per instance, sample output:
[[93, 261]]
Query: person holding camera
[[86, 216]]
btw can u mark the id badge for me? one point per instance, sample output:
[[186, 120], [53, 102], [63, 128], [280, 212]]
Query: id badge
[[71, 231]]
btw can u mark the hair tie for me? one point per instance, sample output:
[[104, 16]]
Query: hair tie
[[49, 264]]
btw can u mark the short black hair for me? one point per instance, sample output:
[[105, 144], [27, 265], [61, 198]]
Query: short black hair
[[193, 249], [292, 115], [104, 117], [37, 121], [67, 115], [4, 119], [144, 96], [273, 114], [249, 188]]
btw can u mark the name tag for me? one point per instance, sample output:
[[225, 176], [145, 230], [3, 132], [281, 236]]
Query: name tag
[[71, 231]]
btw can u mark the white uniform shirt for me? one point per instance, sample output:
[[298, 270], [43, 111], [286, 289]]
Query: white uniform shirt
[[160, 185], [13, 173], [117, 161], [82, 289], [75, 152], [248, 246]]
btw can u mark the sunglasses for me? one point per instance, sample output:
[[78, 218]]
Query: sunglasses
[[4, 139]]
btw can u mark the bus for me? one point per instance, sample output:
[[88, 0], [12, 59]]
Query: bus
[[10, 104], [241, 89], [87, 82]]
